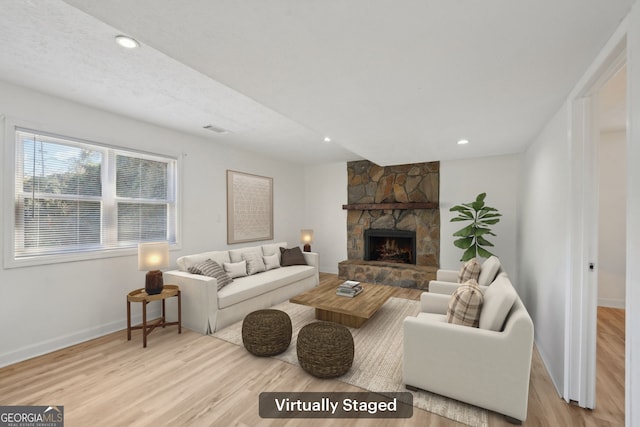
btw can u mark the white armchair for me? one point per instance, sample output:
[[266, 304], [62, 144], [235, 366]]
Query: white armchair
[[447, 280], [487, 366]]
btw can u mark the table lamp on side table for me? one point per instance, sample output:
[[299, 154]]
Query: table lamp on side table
[[306, 236], [151, 258]]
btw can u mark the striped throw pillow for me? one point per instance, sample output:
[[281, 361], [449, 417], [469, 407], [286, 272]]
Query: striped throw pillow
[[465, 305], [470, 270], [212, 269]]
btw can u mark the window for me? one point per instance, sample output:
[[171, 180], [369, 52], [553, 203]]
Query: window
[[72, 196]]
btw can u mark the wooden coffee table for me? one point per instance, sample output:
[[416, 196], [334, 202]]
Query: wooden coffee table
[[347, 311]]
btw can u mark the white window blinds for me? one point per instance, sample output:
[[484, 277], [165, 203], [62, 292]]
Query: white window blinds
[[72, 196]]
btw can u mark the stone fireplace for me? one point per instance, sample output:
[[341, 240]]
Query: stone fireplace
[[403, 199]]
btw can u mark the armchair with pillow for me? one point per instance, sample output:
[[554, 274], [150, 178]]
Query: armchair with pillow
[[487, 365], [447, 281]]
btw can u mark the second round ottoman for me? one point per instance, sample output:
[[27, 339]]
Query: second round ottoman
[[325, 349], [266, 332]]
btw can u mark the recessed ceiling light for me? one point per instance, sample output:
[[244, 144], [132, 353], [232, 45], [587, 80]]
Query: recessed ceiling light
[[126, 41], [216, 129], [327, 139], [463, 141]]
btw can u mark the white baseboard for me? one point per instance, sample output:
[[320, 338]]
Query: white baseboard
[[57, 343], [611, 302]]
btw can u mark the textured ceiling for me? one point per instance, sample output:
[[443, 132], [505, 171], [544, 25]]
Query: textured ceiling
[[393, 82]]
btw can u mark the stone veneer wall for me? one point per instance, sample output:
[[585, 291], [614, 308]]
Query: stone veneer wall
[[369, 183]]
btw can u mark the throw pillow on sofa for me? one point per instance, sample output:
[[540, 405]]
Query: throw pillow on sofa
[[254, 262], [498, 300], [489, 270], [469, 271], [465, 305], [271, 261], [236, 269], [291, 256], [212, 269]]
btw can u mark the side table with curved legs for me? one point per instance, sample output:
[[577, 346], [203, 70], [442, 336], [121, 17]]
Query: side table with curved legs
[[139, 295]]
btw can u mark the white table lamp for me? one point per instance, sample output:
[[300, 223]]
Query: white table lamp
[[151, 258]]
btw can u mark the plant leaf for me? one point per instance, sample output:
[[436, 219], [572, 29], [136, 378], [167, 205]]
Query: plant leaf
[[489, 214], [469, 253], [463, 243], [477, 205], [460, 209], [464, 232], [481, 231], [483, 252], [490, 221], [459, 218], [482, 241]]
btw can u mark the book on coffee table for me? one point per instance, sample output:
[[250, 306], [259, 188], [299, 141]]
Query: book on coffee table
[[349, 284], [348, 293], [350, 288]]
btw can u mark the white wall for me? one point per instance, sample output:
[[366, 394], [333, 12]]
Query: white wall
[[325, 193], [460, 182], [52, 306], [612, 256], [544, 236]]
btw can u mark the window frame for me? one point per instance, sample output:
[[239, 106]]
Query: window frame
[[108, 228]]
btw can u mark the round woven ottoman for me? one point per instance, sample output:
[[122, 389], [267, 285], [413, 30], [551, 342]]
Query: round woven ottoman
[[266, 332], [325, 349]]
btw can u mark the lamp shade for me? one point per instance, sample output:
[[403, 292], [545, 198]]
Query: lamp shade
[[306, 236], [153, 256]]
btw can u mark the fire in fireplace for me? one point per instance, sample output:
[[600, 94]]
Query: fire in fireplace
[[390, 246]]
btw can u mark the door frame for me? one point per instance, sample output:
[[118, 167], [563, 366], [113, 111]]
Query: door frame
[[582, 298]]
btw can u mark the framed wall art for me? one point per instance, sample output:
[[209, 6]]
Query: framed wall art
[[249, 207]]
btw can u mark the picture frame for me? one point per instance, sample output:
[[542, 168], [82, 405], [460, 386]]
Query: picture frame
[[249, 207]]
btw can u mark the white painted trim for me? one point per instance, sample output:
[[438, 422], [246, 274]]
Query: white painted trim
[[632, 339], [581, 336], [35, 350]]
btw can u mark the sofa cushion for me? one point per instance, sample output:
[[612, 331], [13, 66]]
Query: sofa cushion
[[273, 248], [255, 264], [212, 269], [469, 271], [187, 261], [248, 287], [465, 305], [291, 256], [236, 269], [489, 271], [498, 300], [271, 261], [236, 254]]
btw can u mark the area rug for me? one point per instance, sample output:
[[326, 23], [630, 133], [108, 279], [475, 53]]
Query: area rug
[[377, 364]]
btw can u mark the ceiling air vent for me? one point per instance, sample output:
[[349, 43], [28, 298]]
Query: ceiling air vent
[[215, 129]]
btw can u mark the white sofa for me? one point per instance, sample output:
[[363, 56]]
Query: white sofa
[[207, 310], [487, 366]]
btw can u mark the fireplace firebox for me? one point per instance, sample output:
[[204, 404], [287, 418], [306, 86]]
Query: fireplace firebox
[[390, 246]]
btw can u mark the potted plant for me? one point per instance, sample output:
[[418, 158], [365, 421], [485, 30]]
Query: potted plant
[[472, 238]]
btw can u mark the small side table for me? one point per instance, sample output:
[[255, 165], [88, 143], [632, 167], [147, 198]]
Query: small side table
[[139, 295]]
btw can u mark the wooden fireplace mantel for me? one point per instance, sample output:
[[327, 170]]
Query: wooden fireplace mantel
[[388, 206]]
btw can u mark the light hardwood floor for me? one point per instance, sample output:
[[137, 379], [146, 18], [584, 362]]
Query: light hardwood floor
[[196, 380]]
